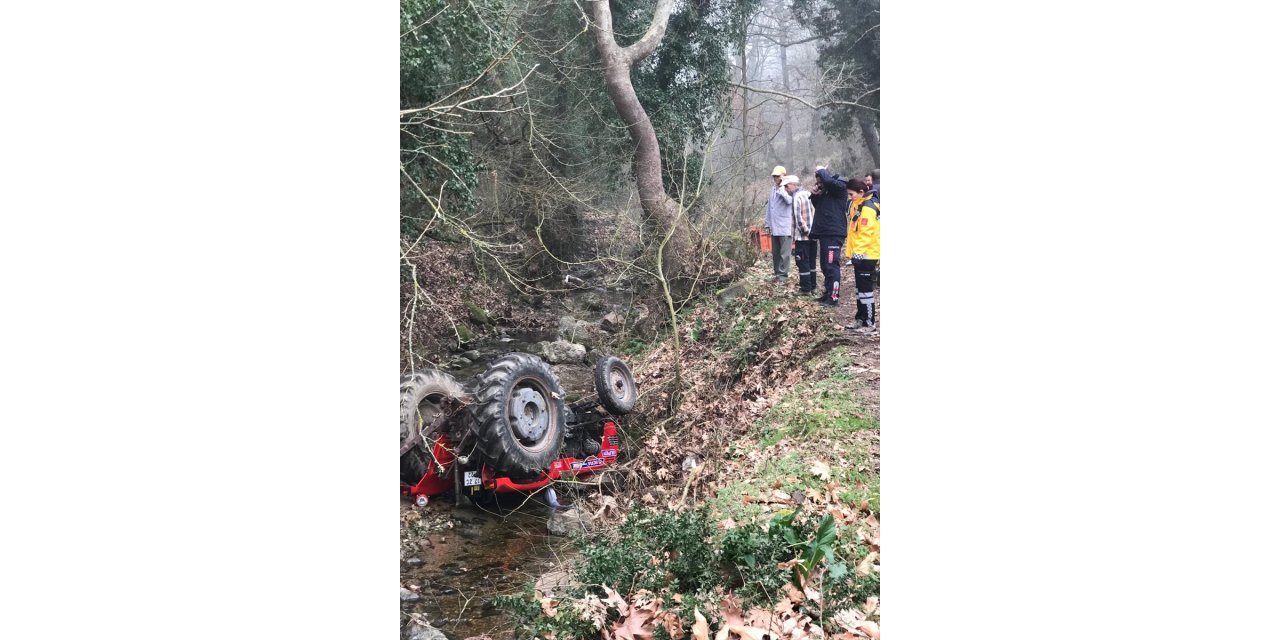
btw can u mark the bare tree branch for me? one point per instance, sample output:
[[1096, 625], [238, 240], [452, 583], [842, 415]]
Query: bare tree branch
[[810, 104]]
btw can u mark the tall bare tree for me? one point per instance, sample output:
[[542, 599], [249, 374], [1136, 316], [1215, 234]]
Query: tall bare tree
[[661, 213]]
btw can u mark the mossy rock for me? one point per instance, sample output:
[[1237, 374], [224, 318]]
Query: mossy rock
[[478, 314], [464, 334]]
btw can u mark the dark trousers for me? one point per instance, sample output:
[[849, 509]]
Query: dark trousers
[[806, 264], [830, 252], [864, 277]]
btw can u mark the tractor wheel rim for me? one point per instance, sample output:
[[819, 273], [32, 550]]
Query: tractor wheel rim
[[429, 412], [619, 386], [529, 414]]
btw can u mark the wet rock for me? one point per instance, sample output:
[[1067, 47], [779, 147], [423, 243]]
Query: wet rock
[[593, 300], [408, 596], [413, 562], [612, 321], [568, 521], [472, 354], [566, 325], [561, 351], [548, 583], [424, 631], [588, 334]]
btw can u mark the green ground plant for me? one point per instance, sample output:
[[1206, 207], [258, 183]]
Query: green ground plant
[[682, 553]]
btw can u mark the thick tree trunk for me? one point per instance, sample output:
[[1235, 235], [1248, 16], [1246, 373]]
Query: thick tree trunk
[[660, 211], [872, 137]]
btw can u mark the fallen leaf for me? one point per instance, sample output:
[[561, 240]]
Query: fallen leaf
[[613, 598], [700, 627], [870, 628], [864, 567], [821, 470], [849, 619], [872, 604], [549, 607], [749, 633]]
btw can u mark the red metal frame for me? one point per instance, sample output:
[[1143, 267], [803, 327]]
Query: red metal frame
[[432, 484]]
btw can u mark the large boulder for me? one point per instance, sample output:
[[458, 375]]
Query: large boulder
[[582, 332], [564, 522], [561, 351], [612, 321]]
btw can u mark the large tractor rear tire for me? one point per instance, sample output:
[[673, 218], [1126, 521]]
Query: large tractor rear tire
[[519, 415], [427, 398]]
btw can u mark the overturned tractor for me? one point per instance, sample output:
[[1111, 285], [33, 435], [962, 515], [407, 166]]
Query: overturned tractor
[[509, 430]]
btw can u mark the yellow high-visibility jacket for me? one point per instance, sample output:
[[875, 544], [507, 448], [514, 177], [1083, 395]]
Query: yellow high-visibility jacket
[[854, 207], [864, 237]]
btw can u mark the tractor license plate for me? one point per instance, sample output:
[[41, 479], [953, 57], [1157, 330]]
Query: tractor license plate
[[470, 479]]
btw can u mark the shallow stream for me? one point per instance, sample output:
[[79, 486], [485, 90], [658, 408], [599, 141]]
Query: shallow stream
[[477, 556]]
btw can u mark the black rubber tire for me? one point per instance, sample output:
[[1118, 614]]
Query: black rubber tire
[[422, 397], [615, 386], [500, 443]]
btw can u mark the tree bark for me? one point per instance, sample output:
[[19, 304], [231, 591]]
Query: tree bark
[[660, 211], [872, 137]]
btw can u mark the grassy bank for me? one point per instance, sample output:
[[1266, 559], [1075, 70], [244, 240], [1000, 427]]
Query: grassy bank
[[754, 509]]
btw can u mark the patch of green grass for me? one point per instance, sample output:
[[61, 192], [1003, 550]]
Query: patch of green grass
[[635, 347], [823, 409], [821, 406]]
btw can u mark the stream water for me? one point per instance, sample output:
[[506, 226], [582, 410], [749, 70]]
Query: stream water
[[478, 555]]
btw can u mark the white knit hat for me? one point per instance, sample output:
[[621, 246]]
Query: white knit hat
[[786, 180]]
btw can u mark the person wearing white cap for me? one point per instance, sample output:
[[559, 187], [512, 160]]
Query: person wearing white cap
[[801, 225], [777, 219]]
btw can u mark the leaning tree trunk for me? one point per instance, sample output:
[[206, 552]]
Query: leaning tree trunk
[[872, 136], [661, 213]]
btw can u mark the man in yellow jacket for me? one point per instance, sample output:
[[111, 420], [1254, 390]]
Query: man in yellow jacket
[[864, 243]]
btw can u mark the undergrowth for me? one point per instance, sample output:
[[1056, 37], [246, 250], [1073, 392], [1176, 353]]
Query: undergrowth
[[686, 562]]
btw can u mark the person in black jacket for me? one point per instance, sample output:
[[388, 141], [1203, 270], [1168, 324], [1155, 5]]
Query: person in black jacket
[[830, 226]]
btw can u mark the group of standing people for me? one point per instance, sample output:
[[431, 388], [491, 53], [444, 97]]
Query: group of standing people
[[833, 222]]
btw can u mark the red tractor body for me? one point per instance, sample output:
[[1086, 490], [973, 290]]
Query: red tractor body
[[510, 431], [433, 484]]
